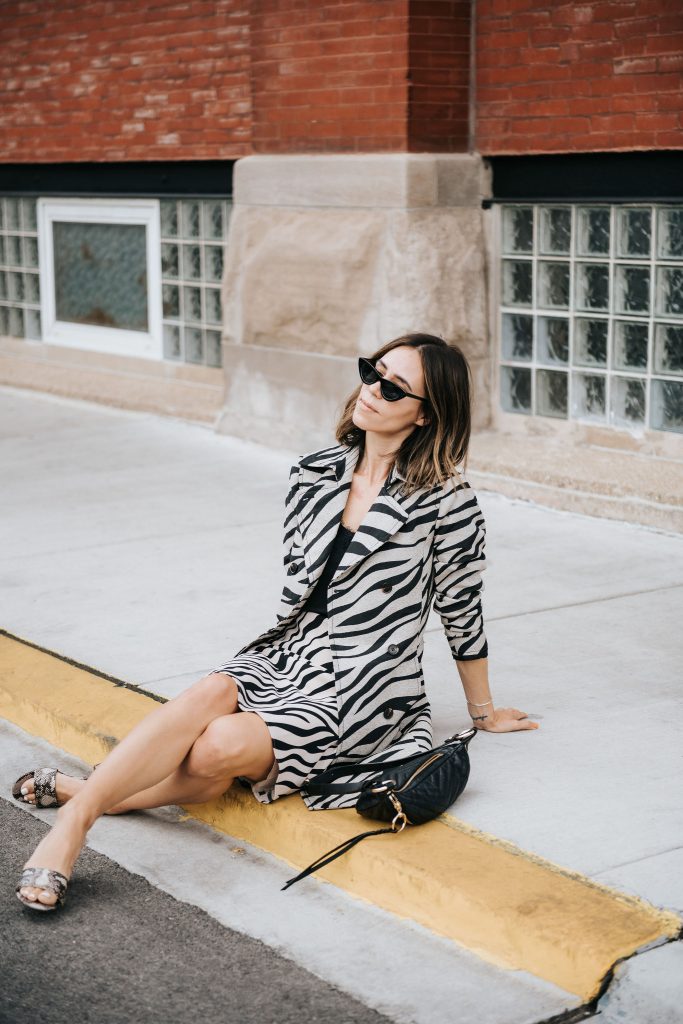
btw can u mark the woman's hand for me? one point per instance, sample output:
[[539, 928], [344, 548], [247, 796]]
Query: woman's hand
[[503, 720], [475, 682]]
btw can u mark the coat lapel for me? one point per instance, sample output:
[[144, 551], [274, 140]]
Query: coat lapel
[[384, 518], [327, 477], [326, 481]]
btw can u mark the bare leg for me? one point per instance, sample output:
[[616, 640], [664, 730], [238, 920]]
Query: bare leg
[[178, 787], [211, 766], [193, 781], [238, 744]]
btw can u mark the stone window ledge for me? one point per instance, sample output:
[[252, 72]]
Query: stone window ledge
[[589, 479]]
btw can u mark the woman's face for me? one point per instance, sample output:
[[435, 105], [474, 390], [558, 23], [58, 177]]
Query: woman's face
[[402, 365]]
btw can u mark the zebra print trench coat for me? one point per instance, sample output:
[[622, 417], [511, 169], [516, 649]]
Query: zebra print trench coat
[[410, 551]]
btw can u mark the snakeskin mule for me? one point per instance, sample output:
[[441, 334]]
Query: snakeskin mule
[[43, 878], [45, 790]]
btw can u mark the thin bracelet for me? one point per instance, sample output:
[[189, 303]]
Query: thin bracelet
[[475, 705]]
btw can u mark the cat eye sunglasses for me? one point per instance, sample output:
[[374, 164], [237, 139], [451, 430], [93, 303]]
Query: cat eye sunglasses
[[390, 392]]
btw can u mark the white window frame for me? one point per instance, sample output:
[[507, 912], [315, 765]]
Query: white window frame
[[119, 341]]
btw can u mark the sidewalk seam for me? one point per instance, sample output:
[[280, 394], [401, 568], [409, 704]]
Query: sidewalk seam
[[573, 604]]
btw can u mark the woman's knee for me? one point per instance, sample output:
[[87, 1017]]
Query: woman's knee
[[229, 746], [216, 691]]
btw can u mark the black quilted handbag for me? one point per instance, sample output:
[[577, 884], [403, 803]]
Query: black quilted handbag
[[407, 792]]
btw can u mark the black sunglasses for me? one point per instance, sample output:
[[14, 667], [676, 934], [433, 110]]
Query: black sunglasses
[[390, 392]]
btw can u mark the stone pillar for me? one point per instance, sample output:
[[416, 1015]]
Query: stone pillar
[[328, 257]]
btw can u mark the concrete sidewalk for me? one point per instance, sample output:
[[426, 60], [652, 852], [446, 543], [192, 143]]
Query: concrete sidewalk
[[150, 550]]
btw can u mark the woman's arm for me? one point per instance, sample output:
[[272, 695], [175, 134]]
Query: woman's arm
[[474, 676], [458, 563]]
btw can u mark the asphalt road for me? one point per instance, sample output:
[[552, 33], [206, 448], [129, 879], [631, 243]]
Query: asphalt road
[[122, 952]]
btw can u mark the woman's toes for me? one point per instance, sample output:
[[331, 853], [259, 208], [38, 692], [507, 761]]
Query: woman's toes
[[38, 895], [27, 792], [66, 786]]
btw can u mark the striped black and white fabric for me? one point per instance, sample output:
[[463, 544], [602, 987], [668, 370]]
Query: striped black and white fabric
[[350, 687]]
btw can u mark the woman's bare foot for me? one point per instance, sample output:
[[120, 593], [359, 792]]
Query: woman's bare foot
[[58, 851], [66, 786]]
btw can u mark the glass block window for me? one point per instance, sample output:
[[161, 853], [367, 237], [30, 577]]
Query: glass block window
[[19, 280], [592, 313], [193, 234]]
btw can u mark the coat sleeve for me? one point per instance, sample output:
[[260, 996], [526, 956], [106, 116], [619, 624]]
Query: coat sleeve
[[458, 563]]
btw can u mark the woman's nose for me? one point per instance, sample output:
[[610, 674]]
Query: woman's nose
[[376, 389]]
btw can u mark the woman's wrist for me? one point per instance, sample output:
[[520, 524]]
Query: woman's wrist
[[480, 711]]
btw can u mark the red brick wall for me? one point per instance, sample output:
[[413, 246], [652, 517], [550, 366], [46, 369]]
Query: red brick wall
[[95, 80], [329, 76], [571, 77], [439, 48], [123, 80]]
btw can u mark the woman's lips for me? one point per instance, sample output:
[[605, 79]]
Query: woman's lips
[[366, 406]]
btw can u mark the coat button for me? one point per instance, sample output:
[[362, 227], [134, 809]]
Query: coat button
[[388, 712], [293, 568], [387, 589], [393, 649]]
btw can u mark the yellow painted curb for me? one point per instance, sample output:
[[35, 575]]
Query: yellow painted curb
[[510, 907]]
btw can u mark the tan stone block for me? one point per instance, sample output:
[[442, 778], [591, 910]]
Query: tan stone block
[[581, 478], [374, 180], [434, 278], [284, 399], [301, 279]]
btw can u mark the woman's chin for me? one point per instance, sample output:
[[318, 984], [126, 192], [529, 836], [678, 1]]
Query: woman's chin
[[360, 417]]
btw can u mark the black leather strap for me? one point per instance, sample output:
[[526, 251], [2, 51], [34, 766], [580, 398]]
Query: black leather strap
[[315, 787], [331, 855], [323, 788], [318, 788]]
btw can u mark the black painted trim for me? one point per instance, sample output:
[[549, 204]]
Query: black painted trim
[[655, 176], [135, 178]]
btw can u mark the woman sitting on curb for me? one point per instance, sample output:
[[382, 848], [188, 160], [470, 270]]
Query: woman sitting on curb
[[378, 527]]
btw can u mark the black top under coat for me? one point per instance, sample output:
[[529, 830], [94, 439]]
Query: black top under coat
[[317, 601]]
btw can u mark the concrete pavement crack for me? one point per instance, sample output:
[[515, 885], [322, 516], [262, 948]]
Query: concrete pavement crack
[[592, 1008], [572, 604], [637, 860]]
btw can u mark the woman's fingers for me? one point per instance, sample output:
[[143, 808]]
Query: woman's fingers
[[522, 723], [510, 720]]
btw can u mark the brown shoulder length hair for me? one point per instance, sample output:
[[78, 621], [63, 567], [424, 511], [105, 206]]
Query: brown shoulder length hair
[[430, 455]]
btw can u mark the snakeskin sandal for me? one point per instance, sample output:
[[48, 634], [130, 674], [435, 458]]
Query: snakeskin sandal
[[45, 789], [43, 878]]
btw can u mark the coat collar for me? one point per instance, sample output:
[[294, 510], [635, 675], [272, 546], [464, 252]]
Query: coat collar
[[339, 462]]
